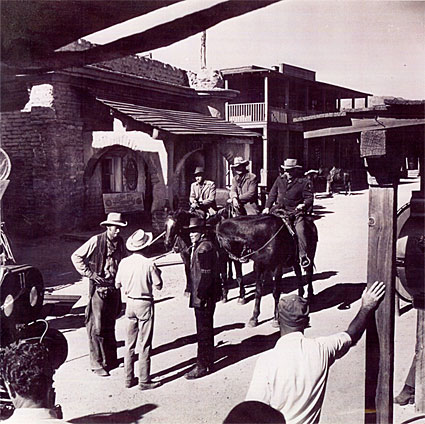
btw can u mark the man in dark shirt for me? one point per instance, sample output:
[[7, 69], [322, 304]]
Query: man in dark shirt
[[98, 259], [204, 292], [295, 195]]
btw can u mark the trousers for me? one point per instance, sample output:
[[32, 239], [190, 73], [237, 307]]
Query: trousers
[[300, 228], [205, 334], [101, 314], [140, 319]]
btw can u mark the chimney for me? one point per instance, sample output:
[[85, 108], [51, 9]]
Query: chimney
[[281, 66], [275, 68]]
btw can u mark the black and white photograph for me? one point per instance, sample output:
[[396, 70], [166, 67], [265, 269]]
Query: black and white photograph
[[212, 211]]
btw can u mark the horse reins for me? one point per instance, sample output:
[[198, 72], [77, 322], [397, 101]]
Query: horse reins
[[248, 255]]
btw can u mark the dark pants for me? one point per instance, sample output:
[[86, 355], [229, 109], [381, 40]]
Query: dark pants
[[140, 316], [300, 225], [101, 314], [410, 379], [205, 334]]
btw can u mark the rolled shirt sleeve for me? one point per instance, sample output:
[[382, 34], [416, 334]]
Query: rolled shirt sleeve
[[80, 257]]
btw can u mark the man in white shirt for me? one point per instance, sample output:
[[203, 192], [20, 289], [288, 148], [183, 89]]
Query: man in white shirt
[[137, 275], [292, 376]]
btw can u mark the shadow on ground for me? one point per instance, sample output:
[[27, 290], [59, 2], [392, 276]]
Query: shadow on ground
[[123, 417]]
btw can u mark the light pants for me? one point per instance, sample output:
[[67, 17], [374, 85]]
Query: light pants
[[140, 315]]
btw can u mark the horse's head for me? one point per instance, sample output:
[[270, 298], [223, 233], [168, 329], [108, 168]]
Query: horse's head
[[174, 224]]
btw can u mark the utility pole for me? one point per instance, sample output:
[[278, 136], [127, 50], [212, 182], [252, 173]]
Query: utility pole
[[204, 50]]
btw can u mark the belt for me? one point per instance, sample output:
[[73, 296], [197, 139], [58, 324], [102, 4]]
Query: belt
[[148, 299]]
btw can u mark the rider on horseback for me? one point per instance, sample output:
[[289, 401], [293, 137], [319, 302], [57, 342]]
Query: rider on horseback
[[244, 190], [202, 195], [294, 195]]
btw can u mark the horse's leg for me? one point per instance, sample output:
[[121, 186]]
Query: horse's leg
[[253, 322], [277, 279], [238, 269], [299, 275]]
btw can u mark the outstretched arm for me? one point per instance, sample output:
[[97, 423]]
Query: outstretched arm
[[370, 301]]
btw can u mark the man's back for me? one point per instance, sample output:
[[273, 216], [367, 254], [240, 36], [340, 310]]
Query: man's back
[[292, 376]]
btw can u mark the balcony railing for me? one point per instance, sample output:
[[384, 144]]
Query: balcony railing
[[256, 112]]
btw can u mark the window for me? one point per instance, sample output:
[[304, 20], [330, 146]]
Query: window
[[112, 174]]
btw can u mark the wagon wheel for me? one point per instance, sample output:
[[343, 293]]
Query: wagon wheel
[[5, 165], [403, 215]]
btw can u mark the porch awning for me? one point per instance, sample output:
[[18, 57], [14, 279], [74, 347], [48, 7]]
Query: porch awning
[[179, 122], [359, 125]]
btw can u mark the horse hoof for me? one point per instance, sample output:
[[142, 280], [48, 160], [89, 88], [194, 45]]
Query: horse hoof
[[242, 301], [275, 323], [253, 322]]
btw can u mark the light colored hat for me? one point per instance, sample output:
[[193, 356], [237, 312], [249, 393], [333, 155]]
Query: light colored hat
[[290, 164], [311, 171], [114, 218], [139, 240], [239, 161], [199, 170]]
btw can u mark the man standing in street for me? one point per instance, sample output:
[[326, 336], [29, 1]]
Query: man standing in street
[[204, 292], [295, 195], [137, 275], [292, 376], [98, 260], [244, 189], [202, 194]]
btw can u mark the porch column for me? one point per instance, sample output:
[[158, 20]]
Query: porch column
[[265, 132], [383, 165]]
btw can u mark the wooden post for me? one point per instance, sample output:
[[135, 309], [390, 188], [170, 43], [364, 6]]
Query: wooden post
[[420, 363], [383, 166], [204, 50]]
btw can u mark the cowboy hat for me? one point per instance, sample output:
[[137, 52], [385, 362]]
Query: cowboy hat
[[196, 224], [114, 218], [138, 240], [239, 161], [290, 164], [311, 171], [199, 170]]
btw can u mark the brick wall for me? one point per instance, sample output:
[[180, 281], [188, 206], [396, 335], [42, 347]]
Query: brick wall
[[45, 146]]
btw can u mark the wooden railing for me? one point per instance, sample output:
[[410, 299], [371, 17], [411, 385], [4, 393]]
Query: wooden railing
[[246, 112], [256, 112]]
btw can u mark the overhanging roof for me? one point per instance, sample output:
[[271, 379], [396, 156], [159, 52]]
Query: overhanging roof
[[359, 125], [179, 122], [253, 69]]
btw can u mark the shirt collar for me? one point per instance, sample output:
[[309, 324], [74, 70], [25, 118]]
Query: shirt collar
[[32, 413], [295, 335]]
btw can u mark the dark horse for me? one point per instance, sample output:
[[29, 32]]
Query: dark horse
[[268, 241], [336, 177], [177, 238]]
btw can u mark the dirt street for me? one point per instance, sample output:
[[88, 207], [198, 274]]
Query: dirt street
[[340, 275]]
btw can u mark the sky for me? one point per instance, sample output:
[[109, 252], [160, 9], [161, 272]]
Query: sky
[[372, 46]]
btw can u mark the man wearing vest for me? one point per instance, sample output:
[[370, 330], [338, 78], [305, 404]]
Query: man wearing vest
[[98, 260]]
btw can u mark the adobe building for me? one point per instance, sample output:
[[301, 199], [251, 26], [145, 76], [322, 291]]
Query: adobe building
[[123, 136], [269, 101]]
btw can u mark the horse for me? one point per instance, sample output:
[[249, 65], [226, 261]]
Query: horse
[[336, 177], [176, 237], [269, 242]]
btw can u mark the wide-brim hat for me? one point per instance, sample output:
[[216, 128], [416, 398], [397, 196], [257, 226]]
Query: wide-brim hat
[[196, 224], [139, 240], [290, 164], [294, 311], [311, 172], [199, 170], [239, 161], [114, 218]]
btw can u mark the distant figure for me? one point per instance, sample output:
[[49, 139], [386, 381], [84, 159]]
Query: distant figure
[[27, 373], [294, 194], [253, 412], [292, 376], [244, 189], [205, 290], [202, 195], [137, 275], [312, 175], [98, 259]]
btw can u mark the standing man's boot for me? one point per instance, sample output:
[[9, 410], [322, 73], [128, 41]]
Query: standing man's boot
[[407, 395]]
